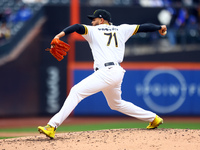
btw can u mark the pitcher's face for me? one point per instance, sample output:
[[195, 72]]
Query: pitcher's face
[[97, 21]]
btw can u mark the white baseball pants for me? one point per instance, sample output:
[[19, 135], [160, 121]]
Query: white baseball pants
[[108, 80]]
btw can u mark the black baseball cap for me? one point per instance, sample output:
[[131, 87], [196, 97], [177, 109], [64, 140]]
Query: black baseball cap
[[100, 13]]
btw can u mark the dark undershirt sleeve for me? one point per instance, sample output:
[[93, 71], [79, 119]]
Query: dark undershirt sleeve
[[148, 27], [75, 28]]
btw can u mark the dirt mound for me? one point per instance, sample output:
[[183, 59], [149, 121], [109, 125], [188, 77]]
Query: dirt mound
[[115, 139]]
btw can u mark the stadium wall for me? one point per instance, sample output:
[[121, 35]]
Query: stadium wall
[[165, 83]]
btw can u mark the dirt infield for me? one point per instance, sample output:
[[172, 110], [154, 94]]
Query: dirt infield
[[119, 139], [115, 139]]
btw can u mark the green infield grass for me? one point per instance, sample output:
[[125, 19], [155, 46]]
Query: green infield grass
[[102, 126]]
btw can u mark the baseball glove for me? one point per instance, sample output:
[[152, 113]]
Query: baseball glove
[[58, 49]]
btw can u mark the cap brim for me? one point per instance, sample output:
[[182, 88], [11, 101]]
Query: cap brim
[[91, 17]]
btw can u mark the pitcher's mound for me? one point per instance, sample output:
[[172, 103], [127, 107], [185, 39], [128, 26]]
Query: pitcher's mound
[[116, 139]]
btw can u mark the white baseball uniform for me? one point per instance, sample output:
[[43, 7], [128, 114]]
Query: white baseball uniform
[[107, 43]]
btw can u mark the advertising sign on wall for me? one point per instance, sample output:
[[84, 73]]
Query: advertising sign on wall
[[165, 91]]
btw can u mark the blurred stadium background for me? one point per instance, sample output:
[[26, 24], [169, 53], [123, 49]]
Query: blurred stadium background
[[163, 73]]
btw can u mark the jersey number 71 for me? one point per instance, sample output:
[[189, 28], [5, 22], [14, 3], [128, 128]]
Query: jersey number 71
[[110, 38]]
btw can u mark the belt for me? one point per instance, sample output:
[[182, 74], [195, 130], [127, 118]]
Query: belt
[[107, 64]]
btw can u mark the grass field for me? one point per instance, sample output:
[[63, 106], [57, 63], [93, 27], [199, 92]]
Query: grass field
[[116, 125]]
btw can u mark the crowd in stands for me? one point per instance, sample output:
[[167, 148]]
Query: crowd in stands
[[162, 3], [4, 29], [183, 21], [15, 11], [10, 15]]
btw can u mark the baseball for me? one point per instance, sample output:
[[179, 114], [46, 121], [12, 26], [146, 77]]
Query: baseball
[[165, 32]]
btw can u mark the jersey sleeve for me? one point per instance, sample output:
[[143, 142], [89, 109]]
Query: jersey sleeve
[[86, 30], [87, 35], [129, 30]]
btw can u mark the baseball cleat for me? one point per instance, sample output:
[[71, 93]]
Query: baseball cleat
[[155, 123], [48, 130]]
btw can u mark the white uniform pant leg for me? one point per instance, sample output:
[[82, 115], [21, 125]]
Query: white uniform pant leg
[[90, 85], [115, 102], [113, 96]]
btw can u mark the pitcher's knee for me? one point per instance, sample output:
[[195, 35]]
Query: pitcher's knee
[[76, 92], [115, 106]]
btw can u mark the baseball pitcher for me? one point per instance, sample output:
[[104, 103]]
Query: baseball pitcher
[[107, 43]]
